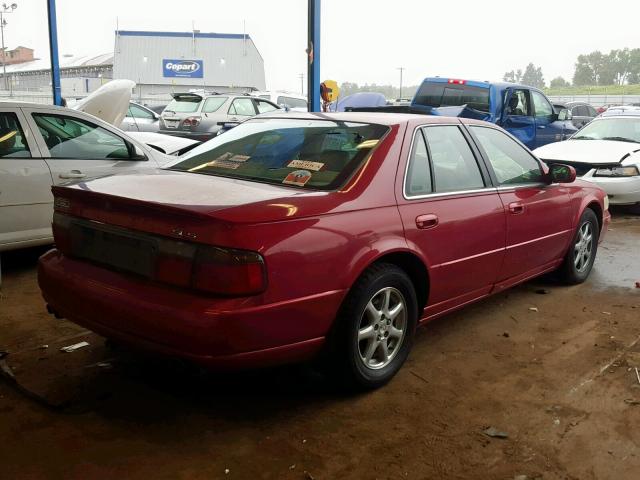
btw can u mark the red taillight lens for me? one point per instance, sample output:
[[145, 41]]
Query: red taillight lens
[[191, 122], [229, 272], [61, 227], [174, 262]]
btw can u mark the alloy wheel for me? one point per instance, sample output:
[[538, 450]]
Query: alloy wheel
[[382, 328], [583, 247]]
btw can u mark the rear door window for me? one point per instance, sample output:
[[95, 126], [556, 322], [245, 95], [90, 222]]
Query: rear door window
[[135, 111], [212, 104], [454, 165], [511, 163], [13, 143]]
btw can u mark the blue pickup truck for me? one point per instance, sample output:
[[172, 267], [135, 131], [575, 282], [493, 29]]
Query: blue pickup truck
[[523, 111]]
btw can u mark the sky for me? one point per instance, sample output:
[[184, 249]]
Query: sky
[[362, 41]]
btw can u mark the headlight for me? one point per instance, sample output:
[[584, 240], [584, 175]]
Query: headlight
[[616, 172], [606, 202]]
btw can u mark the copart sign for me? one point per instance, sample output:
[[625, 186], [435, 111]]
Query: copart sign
[[182, 68]]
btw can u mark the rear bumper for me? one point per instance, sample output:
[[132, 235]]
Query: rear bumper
[[214, 332]]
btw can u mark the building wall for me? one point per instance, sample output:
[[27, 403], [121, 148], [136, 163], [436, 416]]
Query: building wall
[[228, 61]]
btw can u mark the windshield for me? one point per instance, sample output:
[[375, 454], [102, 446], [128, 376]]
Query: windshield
[[187, 104], [318, 154], [620, 129], [445, 95]]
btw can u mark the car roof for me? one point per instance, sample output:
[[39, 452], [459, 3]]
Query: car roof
[[381, 118], [5, 104]]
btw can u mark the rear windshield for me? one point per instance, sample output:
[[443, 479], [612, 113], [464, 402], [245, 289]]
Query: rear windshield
[[292, 102], [446, 95], [187, 104], [317, 154]]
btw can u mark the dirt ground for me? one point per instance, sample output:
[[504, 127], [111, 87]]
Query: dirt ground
[[559, 381]]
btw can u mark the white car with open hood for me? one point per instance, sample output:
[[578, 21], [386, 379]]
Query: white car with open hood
[[605, 152], [43, 145]]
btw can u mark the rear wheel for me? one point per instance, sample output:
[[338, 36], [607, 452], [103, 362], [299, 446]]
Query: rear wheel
[[579, 259], [376, 327]]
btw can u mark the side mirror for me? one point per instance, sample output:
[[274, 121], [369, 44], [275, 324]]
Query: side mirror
[[559, 173]]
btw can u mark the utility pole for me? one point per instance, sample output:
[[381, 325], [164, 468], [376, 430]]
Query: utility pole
[[401, 70], [301, 77], [3, 23]]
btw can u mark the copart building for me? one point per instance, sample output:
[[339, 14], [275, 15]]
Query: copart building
[[159, 63]]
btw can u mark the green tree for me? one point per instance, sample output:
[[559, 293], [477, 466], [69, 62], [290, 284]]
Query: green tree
[[533, 76], [559, 82], [513, 76]]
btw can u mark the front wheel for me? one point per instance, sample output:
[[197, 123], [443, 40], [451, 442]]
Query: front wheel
[[376, 327], [578, 261]]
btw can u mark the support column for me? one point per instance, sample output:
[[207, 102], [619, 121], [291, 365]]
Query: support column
[[53, 52], [313, 68]]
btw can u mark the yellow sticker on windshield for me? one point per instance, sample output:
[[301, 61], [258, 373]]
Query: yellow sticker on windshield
[[306, 164], [367, 144]]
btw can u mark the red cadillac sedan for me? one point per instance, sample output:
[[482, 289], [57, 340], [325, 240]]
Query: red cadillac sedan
[[293, 235]]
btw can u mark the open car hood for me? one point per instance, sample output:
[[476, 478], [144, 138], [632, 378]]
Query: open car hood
[[110, 102]]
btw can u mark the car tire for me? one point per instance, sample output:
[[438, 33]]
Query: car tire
[[376, 327], [579, 259]]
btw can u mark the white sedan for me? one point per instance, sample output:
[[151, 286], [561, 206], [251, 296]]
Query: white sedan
[[606, 152], [43, 145]]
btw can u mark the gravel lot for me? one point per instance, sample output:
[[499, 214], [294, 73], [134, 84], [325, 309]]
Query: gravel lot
[[559, 381]]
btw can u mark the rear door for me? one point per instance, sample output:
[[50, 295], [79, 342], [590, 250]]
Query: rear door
[[25, 183], [548, 129], [139, 119], [538, 216], [78, 149], [518, 119], [451, 215]]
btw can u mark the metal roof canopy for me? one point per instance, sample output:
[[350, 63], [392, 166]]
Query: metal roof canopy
[[313, 67]]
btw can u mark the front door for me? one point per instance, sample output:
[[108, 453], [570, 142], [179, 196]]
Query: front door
[[538, 215], [77, 149], [25, 184], [548, 128], [519, 120], [451, 215]]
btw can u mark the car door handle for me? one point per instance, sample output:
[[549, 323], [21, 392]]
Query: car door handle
[[542, 126], [72, 174], [516, 208], [424, 222]]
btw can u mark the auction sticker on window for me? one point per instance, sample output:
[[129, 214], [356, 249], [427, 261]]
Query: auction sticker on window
[[240, 158], [298, 177], [306, 164]]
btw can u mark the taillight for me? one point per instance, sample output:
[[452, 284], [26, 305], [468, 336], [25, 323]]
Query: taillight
[[174, 261], [455, 81], [191, 122], [61, 227], [229, 272]]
